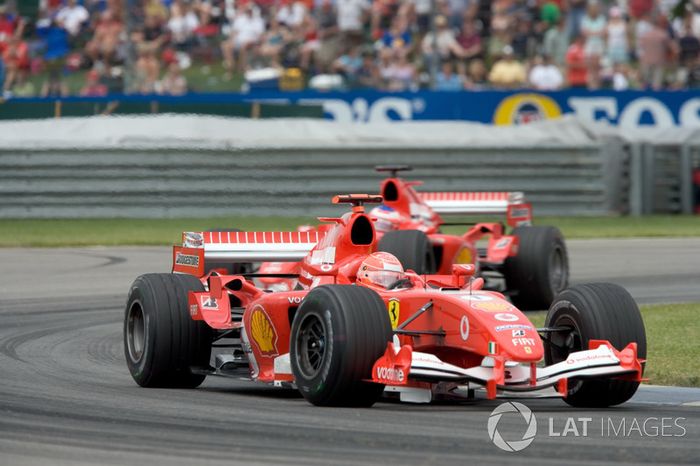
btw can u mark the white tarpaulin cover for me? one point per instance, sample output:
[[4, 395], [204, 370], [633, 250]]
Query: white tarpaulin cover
[[213, 132]]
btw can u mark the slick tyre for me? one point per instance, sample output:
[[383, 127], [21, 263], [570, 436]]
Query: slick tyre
[[337, 335], [540, 270], [161, 341], [597, 311], [412, 248]]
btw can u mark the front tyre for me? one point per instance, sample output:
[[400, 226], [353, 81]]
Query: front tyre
[[161, 341], [597, 311], [337, 335]]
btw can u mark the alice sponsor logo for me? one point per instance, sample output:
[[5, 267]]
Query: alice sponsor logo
[[209, 303]]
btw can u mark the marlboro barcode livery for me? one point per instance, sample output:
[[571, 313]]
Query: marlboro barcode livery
[[359, 324]]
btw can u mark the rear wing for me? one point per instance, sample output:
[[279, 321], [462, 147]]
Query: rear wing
[[241, 246], [512, 204]]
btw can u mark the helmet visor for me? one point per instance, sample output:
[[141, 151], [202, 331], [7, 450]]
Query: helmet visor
[[383, 278]]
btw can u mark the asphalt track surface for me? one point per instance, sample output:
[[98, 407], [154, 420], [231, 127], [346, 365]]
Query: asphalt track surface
[[66, 396]]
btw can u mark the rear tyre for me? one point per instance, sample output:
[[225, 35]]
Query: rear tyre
[[597, 311], [228, 267], [540, 270], [412, 248], [161, 341], [337, 335]]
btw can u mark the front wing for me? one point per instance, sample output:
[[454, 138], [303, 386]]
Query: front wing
[[403, 367]]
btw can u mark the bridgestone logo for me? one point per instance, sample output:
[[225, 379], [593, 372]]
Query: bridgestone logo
[[187, 260], [520, 213]]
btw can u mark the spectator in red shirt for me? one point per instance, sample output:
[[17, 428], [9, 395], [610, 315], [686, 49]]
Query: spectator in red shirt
[[639, 8], [10, 26], [16, 59], [576, 72], [470, 39]]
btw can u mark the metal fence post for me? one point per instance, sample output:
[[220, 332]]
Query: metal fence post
[[636, 185], [648, 178], [613, 157], [686, 179]]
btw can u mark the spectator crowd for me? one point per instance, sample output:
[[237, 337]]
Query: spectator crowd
[[144, 46]]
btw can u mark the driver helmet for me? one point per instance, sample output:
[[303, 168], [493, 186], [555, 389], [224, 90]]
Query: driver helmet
[[379, 270]]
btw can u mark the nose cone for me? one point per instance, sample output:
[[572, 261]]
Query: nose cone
[[522, 348], [509, 328]]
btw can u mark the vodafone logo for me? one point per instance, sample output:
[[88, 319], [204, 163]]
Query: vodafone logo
[[464, 328], [390, 374], [574, 359]]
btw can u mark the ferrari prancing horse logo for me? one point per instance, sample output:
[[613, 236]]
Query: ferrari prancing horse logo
[[394, 310]]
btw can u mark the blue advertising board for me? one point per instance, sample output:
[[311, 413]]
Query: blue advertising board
[[629, 109], [626, 109]]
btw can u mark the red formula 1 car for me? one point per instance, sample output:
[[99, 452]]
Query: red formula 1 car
[[532, 259], [360, 325], [530, 264]]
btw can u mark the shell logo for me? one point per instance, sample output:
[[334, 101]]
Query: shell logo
[[492, 306], [263, 332], [464, 256], [525, 108]]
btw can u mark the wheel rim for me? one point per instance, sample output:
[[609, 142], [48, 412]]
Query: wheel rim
[[564, 343], [311, 345], [561, 344], [557, 273], [136, 332]]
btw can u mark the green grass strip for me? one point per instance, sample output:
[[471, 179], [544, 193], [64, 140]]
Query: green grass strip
[[114, 232]]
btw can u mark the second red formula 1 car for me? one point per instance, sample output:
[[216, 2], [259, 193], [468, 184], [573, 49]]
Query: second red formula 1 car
[[359, 325], [532, 260]]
